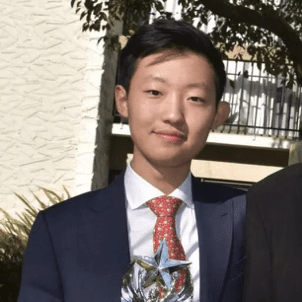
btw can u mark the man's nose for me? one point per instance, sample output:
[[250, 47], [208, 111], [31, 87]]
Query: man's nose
[[174, 110]]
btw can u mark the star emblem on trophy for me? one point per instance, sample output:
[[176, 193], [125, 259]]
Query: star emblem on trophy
[[144, 274]]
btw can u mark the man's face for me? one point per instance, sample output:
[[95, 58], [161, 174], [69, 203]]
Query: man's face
[[171, 107]]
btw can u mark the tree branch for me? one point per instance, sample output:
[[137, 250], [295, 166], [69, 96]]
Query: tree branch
[[273, 23]]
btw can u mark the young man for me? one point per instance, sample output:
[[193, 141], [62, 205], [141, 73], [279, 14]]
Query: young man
[[170, 81]]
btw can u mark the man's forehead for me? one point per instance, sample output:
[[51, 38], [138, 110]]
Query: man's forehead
[[167, 55]]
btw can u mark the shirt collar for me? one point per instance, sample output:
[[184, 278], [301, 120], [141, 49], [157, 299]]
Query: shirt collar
[[139, 191]]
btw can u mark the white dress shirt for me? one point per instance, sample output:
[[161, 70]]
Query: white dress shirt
[[141, 220]]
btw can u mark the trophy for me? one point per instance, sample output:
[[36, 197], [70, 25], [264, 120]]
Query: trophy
[[141, 280]]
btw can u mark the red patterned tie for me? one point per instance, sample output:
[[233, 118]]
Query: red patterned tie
[[165, 208]]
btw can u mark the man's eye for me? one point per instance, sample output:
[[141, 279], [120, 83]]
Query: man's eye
[[153, 92], [196, 99]]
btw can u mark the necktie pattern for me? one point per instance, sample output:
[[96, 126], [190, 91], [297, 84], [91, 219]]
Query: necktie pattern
[[165, 208]]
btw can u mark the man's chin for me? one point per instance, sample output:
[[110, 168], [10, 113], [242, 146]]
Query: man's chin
[[171, 162]]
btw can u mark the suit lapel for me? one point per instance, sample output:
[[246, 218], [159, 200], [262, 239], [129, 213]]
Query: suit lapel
[[108, 212], [215, 227]]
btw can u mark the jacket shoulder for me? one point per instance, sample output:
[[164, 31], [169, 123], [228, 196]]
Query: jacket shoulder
[[286, 181], [216, 193], [97, 199]]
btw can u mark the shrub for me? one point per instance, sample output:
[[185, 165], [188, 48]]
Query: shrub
[[13, 240]]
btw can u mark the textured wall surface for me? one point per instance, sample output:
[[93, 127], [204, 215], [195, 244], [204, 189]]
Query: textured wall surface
[[50, 81]]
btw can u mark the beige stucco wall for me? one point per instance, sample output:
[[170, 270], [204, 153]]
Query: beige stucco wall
[[50, 81]]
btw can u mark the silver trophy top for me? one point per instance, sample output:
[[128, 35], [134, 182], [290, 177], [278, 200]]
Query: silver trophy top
[[140, 282]]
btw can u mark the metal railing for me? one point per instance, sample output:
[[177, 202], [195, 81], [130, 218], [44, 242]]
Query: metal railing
[[260, 103]]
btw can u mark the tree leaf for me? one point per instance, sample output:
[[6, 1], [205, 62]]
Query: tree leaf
[[83, 14], [72, 2]]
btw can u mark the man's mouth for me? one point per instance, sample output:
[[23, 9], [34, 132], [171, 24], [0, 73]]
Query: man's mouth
[[173, 137]]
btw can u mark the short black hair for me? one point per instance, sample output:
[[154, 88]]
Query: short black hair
[[162, 35]]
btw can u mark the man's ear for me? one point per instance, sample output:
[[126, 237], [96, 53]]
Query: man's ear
[[121, 100], [222, 113]]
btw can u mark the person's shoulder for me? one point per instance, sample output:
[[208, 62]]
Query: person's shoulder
[[290, 176], [287, 173], [92, 199], [76, 202], [216, 192], [278, 190]]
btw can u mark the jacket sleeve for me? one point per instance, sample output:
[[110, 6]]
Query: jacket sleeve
[[40, 279]]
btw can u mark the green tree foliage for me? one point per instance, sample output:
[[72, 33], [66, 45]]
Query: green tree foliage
[[14, 234], [269, 30]]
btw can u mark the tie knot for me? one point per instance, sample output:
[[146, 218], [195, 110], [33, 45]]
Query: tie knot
[[164, 206]]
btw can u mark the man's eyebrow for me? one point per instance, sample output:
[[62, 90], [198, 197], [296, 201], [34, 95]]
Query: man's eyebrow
[[161, 80], [157, 79], [197, 85]]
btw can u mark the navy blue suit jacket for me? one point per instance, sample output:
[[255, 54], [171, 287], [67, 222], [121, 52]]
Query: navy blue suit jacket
[[78, 250]]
